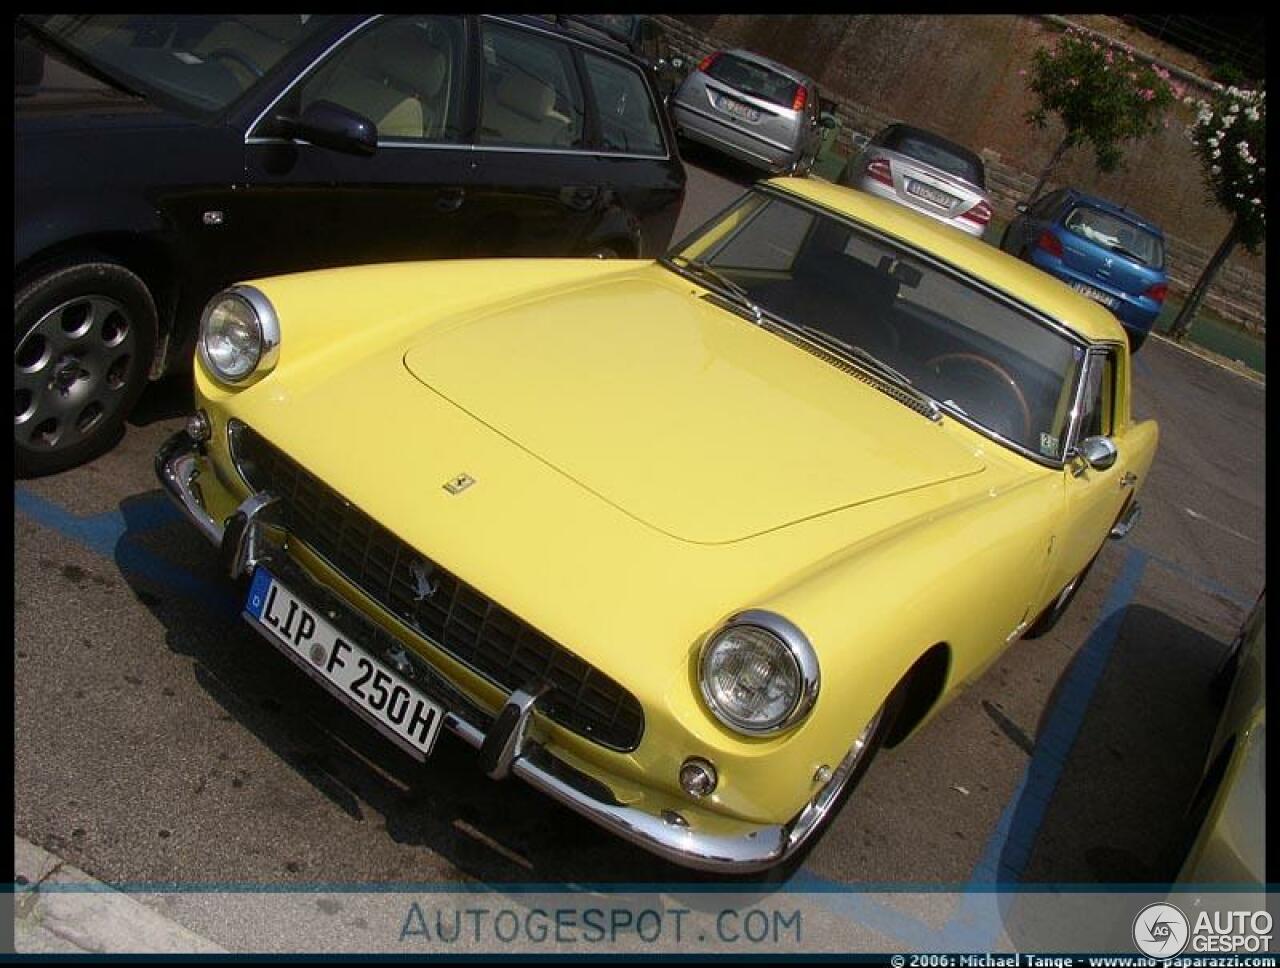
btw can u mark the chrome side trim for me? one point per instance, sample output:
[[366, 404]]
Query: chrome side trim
[[752, 847], [1130, 517]]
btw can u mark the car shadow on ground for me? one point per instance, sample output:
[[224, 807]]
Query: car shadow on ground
[[164, 399], [714, 162], [490, 832], [1145, 727]]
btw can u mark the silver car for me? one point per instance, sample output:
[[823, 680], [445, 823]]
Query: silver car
[[926, 172], [752, 109]]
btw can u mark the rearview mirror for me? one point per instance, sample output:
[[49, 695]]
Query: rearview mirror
[[1098, 453], [329, 125]]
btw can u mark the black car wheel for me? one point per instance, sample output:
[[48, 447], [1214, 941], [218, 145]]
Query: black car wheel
[[84, 337]]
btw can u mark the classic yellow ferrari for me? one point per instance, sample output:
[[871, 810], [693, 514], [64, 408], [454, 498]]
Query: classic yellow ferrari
[[680, 542]]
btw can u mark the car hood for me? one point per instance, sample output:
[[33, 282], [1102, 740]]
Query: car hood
[[683, 415]]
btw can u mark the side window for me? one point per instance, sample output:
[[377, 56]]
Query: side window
[[628, 120], [1099, 396], [531, 94], [404, 74]]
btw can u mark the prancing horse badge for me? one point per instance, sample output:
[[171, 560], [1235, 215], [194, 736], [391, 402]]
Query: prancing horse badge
[[459, 484]]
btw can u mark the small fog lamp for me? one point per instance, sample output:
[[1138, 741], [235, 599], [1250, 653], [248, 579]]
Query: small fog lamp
[[198, 428], [698, 777]]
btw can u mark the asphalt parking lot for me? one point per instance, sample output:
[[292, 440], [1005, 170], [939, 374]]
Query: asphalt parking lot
[[159, 739]]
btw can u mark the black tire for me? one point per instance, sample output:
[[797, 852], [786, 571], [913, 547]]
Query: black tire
[[1058, 607], [84, 340]]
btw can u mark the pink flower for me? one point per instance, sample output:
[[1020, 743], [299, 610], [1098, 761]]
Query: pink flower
[[1148, 94]]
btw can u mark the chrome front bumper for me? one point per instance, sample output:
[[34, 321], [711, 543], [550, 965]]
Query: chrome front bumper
[[245, 539]]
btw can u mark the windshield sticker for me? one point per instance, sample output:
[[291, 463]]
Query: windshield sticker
[[1048, 445]]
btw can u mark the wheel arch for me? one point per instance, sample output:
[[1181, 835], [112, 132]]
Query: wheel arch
[[924, 685]]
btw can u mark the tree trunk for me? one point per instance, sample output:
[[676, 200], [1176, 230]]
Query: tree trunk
[[1187, 314], [1058, 152]]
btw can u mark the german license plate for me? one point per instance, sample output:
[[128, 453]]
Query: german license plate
[[929, 193], [737, 108], [1097, 295], [345, 667]]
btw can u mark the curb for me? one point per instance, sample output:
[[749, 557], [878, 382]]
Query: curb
[[59, 909], [1239, 369]]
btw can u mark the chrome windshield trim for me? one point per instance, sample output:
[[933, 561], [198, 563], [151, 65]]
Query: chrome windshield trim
[[301, 75]]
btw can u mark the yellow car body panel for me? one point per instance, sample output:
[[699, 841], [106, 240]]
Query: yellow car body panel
[[647, 465]]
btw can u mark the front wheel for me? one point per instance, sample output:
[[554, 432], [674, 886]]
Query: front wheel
[[1049, 617], [84, 337]]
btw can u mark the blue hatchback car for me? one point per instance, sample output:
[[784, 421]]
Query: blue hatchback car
[[1100, 249]]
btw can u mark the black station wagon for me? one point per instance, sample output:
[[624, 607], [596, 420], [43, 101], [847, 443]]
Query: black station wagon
[[160, 157]]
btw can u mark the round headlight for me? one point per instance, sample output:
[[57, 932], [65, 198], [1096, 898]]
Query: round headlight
[[239, 334], [759, 674]]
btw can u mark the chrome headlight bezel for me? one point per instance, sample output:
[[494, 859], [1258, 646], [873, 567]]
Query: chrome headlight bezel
[[266, 333], [801, 653]]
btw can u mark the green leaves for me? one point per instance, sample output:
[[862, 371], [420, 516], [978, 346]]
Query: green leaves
[[1102, 94]]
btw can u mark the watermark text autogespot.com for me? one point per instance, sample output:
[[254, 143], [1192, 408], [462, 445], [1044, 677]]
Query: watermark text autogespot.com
[[478, 925]]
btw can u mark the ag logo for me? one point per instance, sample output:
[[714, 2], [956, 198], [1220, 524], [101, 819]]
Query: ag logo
[[1160, 930]]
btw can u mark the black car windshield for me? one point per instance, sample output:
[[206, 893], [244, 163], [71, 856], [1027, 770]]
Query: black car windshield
[[199, 61], [1116, 234], [980, 357], [938, 153], [754, 79]]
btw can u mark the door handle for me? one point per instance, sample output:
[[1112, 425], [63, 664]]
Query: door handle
[[1129, 479], [450, 199]]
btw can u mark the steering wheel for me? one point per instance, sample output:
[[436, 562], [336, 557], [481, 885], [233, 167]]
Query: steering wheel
[[992, 374], [226, 53]]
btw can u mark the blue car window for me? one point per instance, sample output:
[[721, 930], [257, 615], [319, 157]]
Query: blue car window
[[1116, 234]]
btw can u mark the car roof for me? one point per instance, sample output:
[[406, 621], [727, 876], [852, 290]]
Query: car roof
[[798, 76], [934, 138], [974, 257], [1113, 209]]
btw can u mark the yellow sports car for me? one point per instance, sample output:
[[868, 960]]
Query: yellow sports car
[[680, 542]]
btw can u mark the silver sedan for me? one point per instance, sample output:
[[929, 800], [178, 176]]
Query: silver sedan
[[925, 172]]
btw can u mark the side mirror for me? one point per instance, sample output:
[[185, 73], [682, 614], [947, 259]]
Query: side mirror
[[828, 121], [329, 125], [1097, 453]]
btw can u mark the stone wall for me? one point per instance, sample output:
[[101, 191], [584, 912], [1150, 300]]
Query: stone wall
[[960, 75]]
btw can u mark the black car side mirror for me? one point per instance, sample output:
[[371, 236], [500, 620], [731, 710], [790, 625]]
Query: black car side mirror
[[329, 125]]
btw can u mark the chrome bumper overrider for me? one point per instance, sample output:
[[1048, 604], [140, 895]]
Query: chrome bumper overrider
[[250, 536]]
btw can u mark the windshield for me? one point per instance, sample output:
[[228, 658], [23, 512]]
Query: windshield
[[982, 359], [1116, 234], [200, 61], [754, 79]]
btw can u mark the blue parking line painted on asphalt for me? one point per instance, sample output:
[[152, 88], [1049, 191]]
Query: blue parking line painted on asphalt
[[1205, 584], [111, 533]]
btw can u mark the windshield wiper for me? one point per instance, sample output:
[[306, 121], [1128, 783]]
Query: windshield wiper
[[66, 51], [873, 362], [741, 296]]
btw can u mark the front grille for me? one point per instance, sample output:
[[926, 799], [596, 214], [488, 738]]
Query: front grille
[[435, 603]]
